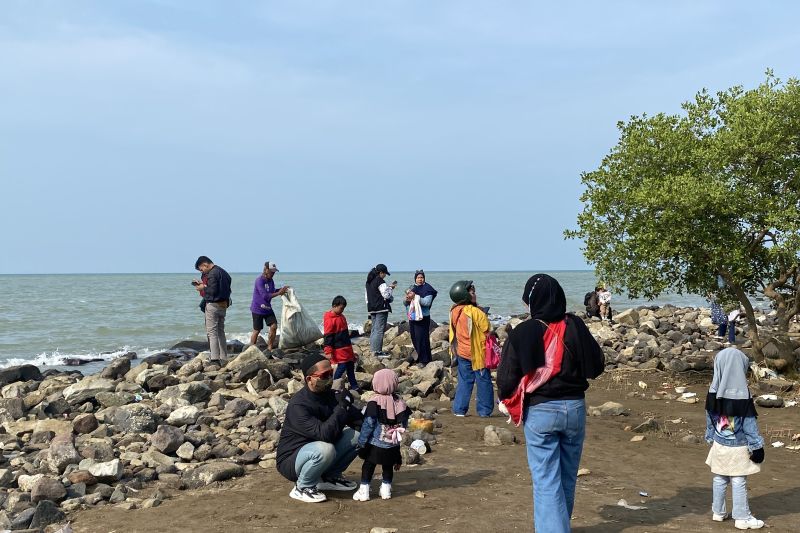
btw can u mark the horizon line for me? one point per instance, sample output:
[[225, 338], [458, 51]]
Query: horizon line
[[281, 272]]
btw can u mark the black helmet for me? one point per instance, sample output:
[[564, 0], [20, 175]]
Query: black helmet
[[459, 292]]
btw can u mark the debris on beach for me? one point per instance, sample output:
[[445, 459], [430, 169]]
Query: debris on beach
[[626, 505]]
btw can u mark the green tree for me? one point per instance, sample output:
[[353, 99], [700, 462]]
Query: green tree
[[711, 193]]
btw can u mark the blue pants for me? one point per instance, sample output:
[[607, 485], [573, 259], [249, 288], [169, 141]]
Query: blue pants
[[350, 368], [554, 433], [467, 377], [376, 334], [318, 459], [741, 510]]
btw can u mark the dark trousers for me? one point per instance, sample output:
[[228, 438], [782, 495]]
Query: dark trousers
[[421, 338], [368, 470], [350, 368]]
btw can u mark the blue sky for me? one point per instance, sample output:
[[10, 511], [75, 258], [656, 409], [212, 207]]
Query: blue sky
[[330, 136]]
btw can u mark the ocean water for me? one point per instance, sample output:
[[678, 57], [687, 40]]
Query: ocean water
[[47, 318]]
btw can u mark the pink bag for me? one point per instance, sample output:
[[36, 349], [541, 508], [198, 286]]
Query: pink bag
[[492, 354]]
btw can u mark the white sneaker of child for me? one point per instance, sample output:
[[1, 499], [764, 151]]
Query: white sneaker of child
[[386, 491], [362, 494], [749, 523]]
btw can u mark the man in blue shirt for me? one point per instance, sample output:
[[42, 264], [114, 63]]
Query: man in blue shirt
[[261, 308]]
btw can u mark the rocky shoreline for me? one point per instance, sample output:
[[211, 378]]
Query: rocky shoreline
[[132, 435]]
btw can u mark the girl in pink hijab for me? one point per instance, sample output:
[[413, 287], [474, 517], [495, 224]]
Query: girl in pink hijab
[[385, 420]]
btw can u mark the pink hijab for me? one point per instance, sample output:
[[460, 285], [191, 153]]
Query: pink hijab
[[384, 383]]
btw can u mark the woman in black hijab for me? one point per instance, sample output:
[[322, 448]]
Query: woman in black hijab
[[541, 380]]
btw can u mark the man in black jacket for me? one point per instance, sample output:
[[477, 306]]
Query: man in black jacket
[[316, 446], [216, 291]]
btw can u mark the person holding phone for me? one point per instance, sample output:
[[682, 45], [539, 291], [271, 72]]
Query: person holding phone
[[379, 296], [215, 288]]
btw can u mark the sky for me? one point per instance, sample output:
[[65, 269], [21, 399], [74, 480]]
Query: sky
[[334, 135]]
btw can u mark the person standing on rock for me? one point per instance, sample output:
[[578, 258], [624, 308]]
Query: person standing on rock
[[216, 291], [469, 326], [421, 329], [316, 445], [261, 307], [737, 448], [541, 380], [379, 304]]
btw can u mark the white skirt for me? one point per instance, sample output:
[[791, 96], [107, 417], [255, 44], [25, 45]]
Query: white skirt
[[731, 460]]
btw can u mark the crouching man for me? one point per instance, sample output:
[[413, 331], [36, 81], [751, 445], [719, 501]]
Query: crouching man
[[316, 444]]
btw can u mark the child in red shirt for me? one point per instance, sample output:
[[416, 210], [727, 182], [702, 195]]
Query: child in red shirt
[[336, 343]]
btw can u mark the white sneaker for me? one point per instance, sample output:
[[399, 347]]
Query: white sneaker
[[386, 491], [362, 494], [308, 495], [719, 517], [750, 523]]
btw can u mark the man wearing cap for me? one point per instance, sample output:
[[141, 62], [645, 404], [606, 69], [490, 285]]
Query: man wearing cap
[[316, 445], [215, 288], [261, 307]]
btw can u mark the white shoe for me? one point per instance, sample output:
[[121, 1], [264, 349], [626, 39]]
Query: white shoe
[[719, 517], [308, 495], [386, 491], [750, 523], [362, 494]]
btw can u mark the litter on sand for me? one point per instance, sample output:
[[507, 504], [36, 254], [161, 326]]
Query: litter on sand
[[626, 505], [777, 444]]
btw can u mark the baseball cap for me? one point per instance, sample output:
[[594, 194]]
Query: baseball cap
[[380, 267], [271, 266]]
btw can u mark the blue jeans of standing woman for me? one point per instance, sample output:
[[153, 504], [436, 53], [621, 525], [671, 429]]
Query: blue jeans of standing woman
[[376, 334], [467, 377], [554, 433]]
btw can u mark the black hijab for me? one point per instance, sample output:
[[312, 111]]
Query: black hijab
[[425, 289], [545, 297]]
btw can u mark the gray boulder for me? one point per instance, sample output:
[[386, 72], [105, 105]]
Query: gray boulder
[[167, 439], [46, 513], [62, 453], [184, 394], [87, 389], [116, 369], [211, 472], [48, 488], [247, 364], [135, 418], [85, 423], [629, 317], [183, 415]]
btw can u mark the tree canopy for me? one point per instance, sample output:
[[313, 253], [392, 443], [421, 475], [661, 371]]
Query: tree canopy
[[713, 192]]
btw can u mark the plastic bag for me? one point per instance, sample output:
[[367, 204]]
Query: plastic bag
[[297, 326], [414, 310], [492, 353]]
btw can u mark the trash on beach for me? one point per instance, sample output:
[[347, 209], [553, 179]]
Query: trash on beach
[[687, 395], [777, 444], [419, 494], [768, 396], [419, 446], [584, 472], [680, 390], [637, 438], [643, 493], [692, 399], [676, 421], [626, 505], [796, 436], [643, 385], [796, 447], [790, 403], [763, 372]]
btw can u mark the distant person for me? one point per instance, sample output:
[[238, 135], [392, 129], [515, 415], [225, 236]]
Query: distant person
[[421, 329], [604, 299], [541, 381], [737, 448], [318, 440], [216, 291], [379, 296], [261, 307], [337, 344], [469, 326], [733, 318], [591, 301], [718, 317], [385, 420]]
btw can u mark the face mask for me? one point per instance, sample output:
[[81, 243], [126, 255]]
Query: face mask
[[324, 385]]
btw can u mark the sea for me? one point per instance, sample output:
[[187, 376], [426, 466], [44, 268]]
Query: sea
[[47, 319]]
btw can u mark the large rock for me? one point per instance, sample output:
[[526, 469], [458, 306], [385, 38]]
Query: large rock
[[135, 418], [238, 406], [278, 405], [247, 364], [87, 389], [48, 488], [185, 451], [184, 394], [19, 373], [84, 423], [211, 472], [167, 439], [46, 513], [108, 471], [117, 368], [183, 415], [26, 483], [115, 399], [607, 409], [629, 317], [62, 453], [495, 436], [15, 407]]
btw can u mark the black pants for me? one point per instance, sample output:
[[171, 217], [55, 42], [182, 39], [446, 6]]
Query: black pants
[[421, 338], [368, 470]]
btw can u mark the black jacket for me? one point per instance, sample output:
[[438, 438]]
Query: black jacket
[[376, 303], [311, 417], [583, 359], [218, 285]]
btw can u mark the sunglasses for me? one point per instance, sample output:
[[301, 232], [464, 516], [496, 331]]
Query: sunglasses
[[324, 375]]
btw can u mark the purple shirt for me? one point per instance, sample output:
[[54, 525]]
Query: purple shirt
[[263, 291]]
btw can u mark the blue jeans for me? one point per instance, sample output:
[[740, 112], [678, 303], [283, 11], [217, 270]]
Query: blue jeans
[[350, 368], [721, 329], [318, 459], [554, 433], [376, 334], [741, 511], [467, 377], [731, 332]]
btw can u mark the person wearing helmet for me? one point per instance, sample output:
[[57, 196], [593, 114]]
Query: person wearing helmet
[[469, 326]]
